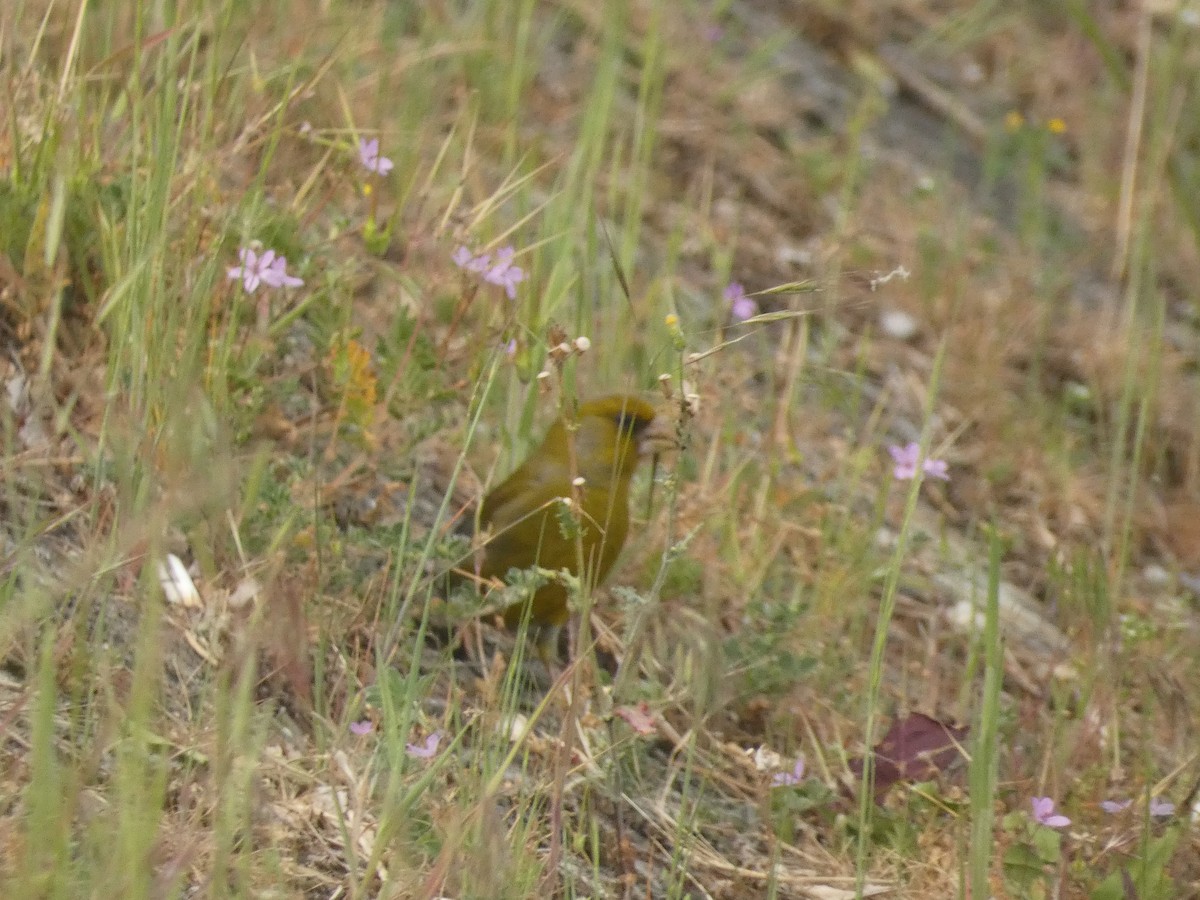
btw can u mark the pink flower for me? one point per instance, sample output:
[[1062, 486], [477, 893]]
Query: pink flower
[[741, 307], [639, 717], [368, 155], [267, 269], [365, 727], [426, 750], [1043, 813], [907, 459]]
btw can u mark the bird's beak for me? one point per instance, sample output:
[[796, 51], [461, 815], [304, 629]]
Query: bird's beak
[[658, 437]]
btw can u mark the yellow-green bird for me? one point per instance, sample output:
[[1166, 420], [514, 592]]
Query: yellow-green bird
[[523, 514]]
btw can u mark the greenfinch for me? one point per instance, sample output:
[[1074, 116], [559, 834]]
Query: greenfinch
[[526, 513]]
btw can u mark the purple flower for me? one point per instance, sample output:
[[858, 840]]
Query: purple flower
[[467, 261], [426, 750], [907, 458], [786, 779], [1043, 813], [267, 269], [741, 307], [1161, 808], [251, 269], [499, 270], [277, 276], [365, 727], [504, 273], [936, 468], [368, 155]]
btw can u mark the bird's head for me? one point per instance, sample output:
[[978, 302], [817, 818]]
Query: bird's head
[[611, 434]]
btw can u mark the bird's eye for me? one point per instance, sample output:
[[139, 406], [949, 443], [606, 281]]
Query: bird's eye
[[631, 421]]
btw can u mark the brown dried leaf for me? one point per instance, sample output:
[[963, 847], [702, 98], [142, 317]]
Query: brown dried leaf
[[916, 748]]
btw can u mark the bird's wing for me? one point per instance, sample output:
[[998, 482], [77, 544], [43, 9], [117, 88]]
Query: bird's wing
[[532, 485]]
